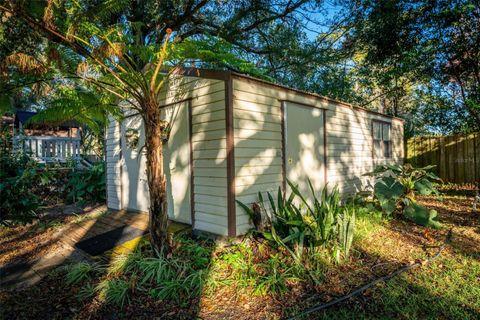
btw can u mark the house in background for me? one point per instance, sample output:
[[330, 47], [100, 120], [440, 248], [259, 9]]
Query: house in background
[[46, 142], [232, 136]]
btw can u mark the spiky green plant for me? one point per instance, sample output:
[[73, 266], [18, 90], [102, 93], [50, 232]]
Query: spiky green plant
[[275, 277], [115, 291], [296, 222], [80, 272], [155, 270], [346, 230], [124, 263]]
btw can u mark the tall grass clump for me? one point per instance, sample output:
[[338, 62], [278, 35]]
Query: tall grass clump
[[80, 272]]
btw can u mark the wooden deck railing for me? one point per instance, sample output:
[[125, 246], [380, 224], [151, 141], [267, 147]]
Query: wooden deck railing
[[49, 149]]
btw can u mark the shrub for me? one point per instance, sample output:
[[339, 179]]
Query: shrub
[[26, 185], [87, 185], [18, 204], [397, 186]]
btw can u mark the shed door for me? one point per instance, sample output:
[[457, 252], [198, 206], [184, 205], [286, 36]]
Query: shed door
[[304, 146], [177, 160]]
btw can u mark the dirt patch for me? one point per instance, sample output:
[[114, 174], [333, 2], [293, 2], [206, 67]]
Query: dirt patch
[[25, 244], [456, 213]]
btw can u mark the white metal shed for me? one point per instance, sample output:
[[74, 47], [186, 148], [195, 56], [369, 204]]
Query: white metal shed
[[233, 135]]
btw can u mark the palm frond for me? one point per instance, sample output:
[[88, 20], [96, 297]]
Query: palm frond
[[26, 64]]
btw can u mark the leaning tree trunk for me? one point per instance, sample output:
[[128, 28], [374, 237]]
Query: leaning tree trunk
[[160, 239]]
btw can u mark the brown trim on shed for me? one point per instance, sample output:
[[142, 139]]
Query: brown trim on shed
[[190, 145], [284, 157], [205, 73], [231, 214], [325, 171]]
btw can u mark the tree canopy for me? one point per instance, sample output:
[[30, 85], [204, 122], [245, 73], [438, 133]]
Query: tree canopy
[[417, 59]]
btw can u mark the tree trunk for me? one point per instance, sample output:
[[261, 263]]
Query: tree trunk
[[158, 224]]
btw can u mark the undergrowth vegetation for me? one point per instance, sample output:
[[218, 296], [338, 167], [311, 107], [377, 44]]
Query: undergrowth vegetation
[[195, 268], [300, 241], [179, 277], [26, 186]]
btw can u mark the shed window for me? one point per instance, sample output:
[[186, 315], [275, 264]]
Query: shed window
[[382, 143]]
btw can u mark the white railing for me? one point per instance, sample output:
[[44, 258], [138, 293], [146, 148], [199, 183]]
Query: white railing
[[49, 149]]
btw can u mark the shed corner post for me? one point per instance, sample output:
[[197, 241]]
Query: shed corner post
[[283, 111], [231, 207], [191, 167]]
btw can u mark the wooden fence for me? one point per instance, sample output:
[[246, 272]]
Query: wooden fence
[[457, 157]]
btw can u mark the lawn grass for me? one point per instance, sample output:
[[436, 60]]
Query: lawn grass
[[446, 289]]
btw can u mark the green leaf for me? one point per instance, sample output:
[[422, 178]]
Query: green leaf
[[299, 194], [268, 236], [424, 187], [422, 216], [246, 208], [388, 188], [388, 206], [295, 222], [272, 203]]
